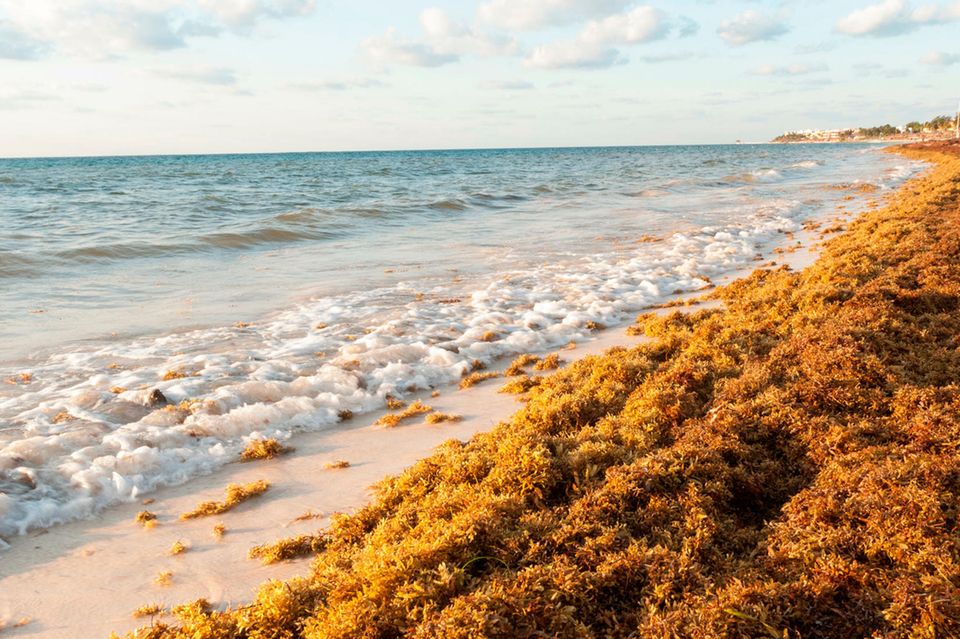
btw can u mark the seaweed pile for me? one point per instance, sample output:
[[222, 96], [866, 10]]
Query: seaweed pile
[[787, 465]]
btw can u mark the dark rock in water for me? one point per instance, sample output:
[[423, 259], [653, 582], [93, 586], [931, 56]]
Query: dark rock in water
[[157, 398]]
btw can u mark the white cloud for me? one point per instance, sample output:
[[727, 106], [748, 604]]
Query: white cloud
[[594, 47], [18, 98], [244, 14], [390, 49], [339, 85], [641, 24], [444, 41], [528, 15], [219, 76], [104, 28], [791, 70], [895, 17], [573, 55], [447, 36], [940, 59], [507, 85], [688, 27], [16, 45], [750, 26]]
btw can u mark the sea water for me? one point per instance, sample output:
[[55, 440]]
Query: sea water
[[270, 293]]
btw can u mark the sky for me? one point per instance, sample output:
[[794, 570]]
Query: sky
[[117, 77]]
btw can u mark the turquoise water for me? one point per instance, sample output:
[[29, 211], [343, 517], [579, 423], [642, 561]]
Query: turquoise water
[[290, 287]]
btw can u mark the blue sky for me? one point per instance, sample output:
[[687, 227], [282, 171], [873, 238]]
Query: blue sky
[[100, 77]]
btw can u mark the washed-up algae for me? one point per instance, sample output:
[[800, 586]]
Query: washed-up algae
[[787, 465]]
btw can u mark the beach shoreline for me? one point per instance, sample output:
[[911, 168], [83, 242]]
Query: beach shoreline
[[112, 562], [782, 466]]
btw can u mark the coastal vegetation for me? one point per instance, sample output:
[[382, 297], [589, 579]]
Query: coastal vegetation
[[939, 126], [784, 465]]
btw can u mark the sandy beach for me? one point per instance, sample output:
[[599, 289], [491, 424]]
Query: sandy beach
[[86, 578]]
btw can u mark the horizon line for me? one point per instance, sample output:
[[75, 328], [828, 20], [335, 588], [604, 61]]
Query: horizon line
[[403, 150]]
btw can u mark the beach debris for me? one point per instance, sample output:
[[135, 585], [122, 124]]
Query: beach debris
[[392, 419], [148, 610], [549, 363], [164, 578], [489, 336], [21, 378], [156, 398], [19, 623], [146, 519], [263, 449], [236, 494], [520, 385], [345, 415], [336, 465], [196, 609], [176, 374], [475, 378], [393, 403], [518, 365], [219, 530], [309, 514], [287, 549], [439, 418], [178, 548]]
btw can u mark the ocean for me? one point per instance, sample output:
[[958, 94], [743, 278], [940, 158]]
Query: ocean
[[263, 295]]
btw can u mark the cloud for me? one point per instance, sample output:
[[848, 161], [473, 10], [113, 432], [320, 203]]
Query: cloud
[[444, 41], [105, 28], [667, 57], [390, 49], [791, 70], [530, 15], [16, 45], [15, 98], [507, 85], [750, 26], [687, 27], [217, 76], [447, 36], [940, 59], [595, 46], [895, 17], [573, 55], [242, 15], [641, 24], [339, 85]]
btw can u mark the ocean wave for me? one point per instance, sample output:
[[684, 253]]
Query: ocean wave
[[263, 236], [119, 251], [86, 434], [448, 205], [15, 265], [807, 164], [758, 175]]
